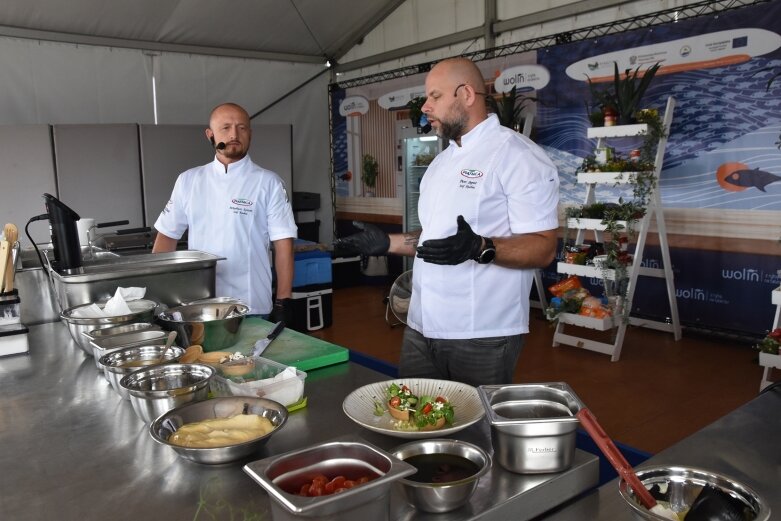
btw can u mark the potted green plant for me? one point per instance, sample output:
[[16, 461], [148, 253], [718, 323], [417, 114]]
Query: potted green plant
[[415, 106], [626, 93], [509, 108], [369, 172]]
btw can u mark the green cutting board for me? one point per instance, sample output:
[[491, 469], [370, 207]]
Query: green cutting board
[[290, 347]]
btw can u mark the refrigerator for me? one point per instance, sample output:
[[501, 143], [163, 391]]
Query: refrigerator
[[418, 150]]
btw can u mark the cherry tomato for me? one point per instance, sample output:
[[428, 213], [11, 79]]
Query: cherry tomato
[[440, 399], [304, 490], [340, 490], [395, 402], [320, 479], [404, 389], [427, 408], [316, 489], [362, 480], [335, 483], [348, 483]]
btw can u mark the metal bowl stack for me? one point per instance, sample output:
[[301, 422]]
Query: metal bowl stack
[[158, 389], [120, 363], [164, 426], [142, 311], [213, 325], [449, 490]]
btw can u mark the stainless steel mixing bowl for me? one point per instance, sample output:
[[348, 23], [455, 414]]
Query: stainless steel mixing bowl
[[162, 428], [213, 326], [158, 389], [437, 497], [680, 486], [142, 311], [108, 344], [114, 364]]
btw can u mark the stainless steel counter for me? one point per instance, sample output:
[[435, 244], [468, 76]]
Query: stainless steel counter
[[72, 449], [744, 445]]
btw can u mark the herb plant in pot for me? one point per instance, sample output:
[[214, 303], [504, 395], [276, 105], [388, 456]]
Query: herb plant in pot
[[626, 93], [509, 108], [370, 171]]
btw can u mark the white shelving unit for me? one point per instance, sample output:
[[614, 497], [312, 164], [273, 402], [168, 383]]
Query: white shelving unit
[[653, 213], [767, 360]]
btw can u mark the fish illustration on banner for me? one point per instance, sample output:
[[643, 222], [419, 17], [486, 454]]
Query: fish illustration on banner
[[736, 177]]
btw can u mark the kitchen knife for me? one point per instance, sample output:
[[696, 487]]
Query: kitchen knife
[[263, 343]]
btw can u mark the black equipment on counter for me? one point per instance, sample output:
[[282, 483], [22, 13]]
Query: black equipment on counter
[[65, 236]]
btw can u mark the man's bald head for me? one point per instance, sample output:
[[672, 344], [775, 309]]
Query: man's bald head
[[229, 124], [461, 71], [455, 98]]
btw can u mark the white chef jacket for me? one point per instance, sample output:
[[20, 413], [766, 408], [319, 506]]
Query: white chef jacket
[[234, 214], [503, 184]]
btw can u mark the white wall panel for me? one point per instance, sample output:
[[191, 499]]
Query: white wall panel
[[307, 110], [191, 85], [49, 83], [98, 172], [27, 172]]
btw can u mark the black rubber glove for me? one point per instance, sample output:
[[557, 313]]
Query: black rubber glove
[[282, 311], [462, 246], [370, 241]]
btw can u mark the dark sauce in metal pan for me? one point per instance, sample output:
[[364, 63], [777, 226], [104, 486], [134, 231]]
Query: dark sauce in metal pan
[[441, 468]]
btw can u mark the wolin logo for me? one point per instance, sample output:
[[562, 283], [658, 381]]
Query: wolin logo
[[471, 174], [242, 202]]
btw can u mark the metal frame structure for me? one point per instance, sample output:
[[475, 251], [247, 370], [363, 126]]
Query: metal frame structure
[[629, 24]]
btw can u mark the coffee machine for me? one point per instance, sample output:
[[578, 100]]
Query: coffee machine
[[64, 235]]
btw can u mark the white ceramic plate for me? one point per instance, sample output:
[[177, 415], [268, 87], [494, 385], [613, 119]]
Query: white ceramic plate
[[467, 407]]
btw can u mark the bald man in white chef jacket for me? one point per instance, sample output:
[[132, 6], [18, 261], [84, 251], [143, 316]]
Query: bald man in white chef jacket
[[236, 209], [488, 213]]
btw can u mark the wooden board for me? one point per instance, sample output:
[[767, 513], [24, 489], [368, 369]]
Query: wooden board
[[290, 347]]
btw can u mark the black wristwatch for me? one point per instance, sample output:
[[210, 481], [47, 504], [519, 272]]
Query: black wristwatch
[[488, 253]]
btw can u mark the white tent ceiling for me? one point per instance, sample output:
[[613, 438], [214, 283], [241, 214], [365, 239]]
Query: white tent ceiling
[[292, 30]]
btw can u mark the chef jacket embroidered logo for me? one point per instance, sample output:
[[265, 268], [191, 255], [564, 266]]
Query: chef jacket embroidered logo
[[471, 175], [241, 206]]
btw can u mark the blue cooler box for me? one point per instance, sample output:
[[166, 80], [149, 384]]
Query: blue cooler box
[[312, 290]]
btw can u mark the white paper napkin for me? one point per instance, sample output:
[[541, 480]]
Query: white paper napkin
[[116, 306]]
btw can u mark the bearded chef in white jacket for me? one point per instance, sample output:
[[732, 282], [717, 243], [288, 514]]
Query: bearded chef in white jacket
[[236, 209]]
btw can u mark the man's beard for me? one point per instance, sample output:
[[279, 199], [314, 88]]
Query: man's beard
[[454, 128]]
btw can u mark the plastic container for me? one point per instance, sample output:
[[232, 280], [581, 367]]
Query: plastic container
[[257, 383]]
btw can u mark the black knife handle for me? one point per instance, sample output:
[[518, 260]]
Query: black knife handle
[[277, 330]]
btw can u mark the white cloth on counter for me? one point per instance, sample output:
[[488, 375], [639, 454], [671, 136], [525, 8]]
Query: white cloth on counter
[[286, 393], [116, 306]]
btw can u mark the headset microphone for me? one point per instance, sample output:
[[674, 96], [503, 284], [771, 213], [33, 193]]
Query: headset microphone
[[217, 146]]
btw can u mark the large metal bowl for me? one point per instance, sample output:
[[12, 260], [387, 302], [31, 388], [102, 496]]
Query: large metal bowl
[[114, 364], [104, 345], [162, 428], [448, 494], [158, 389], [680, 486], [211, 325], [142, 311]]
